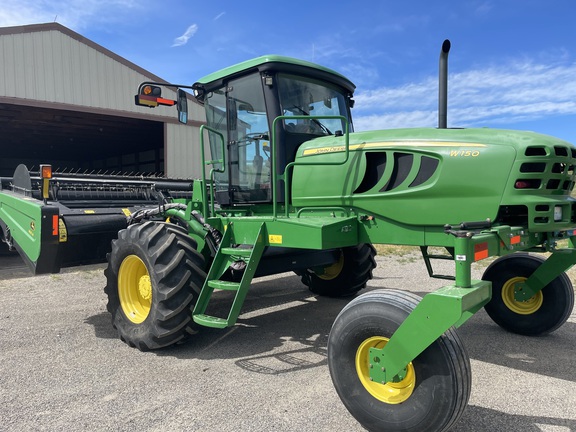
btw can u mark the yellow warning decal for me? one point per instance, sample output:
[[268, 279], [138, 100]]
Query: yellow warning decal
[[274, 239], [62, 231], [335, 149], [89, 212], [126, 212]]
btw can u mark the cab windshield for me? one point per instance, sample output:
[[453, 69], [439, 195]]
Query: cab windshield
[[307, 97]]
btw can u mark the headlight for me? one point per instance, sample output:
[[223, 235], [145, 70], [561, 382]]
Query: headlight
[[557, 213]]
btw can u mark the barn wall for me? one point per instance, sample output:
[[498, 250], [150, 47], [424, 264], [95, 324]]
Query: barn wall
[[48, 65], [52, 66]]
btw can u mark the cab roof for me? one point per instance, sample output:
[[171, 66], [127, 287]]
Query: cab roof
[[278, 64]]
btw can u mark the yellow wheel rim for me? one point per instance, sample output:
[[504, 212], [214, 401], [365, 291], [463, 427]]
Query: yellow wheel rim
[[390, 393], [332, 271], [134, 289], [526, 307]]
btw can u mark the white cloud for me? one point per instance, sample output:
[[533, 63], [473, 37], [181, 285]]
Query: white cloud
[[484, 8], [183, 40], [513, 92], [220, 15]]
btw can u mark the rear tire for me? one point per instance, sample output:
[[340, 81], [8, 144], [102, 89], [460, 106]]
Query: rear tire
[[436, 389], [345, 277], [153, 279], [543, 313]]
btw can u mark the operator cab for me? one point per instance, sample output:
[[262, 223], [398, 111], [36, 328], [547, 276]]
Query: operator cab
[[242, 102]]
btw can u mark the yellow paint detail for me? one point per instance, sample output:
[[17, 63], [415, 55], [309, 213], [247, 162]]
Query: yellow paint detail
[[46, 188], [464, 153], [62, 231], [134, 289], [274, 239], [383, 145], [89, 212], [527, 307], [145, 287], [126, 212], [390, 393]]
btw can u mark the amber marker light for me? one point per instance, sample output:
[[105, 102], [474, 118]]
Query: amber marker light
[[46, 171], [46, 175], [150, 90]]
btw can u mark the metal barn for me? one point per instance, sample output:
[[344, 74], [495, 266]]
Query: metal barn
[[68, 101]]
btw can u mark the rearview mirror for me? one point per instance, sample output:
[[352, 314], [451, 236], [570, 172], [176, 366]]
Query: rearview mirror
[[182, 105]]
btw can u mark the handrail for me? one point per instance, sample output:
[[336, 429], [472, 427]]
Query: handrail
[[336, 208], [284, 176], [212, 171]]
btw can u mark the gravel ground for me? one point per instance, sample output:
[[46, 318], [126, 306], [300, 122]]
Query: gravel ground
[[63, 367]]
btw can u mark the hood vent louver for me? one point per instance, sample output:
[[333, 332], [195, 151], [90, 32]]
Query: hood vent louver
[[399, 169]]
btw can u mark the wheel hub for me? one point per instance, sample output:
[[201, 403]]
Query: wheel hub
[[390, 392], [526, 307], [332, 271], [145, 287]]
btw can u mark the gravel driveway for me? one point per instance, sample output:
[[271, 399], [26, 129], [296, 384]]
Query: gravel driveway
[[63, 367]]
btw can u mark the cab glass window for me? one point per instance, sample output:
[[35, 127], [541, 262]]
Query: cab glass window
[[307, 97], [239, 112]]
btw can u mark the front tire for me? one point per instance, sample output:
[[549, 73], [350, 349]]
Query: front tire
[[436, 389], [544, 312], [153, 279], [345, 277]]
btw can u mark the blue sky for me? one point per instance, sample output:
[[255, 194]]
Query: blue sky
[[512, 64]]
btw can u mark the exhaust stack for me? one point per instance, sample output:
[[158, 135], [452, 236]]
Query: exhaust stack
[[443, 86]]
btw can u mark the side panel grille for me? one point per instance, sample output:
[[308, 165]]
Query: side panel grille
[[548, 169], [395, 171], [402, 166], [541, 176]]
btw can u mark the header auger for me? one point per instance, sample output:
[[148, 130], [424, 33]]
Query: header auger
[[292, 187]]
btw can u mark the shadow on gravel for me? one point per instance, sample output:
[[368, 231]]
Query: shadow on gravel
[[550, 355], [478, 419], [300, 320], [12, 266], [276, 312], [102, 324], [282, 311]]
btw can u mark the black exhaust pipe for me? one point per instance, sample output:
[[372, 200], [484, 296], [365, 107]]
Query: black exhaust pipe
[[443, 86]]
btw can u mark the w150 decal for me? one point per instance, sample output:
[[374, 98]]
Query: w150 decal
[[464, 153]]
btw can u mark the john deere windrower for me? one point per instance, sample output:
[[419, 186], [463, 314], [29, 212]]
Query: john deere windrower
[[289, 186]]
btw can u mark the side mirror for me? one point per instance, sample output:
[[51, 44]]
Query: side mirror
[[182, 105]]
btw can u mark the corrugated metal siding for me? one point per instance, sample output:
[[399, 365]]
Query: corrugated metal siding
[[50, 66], [183, 155]]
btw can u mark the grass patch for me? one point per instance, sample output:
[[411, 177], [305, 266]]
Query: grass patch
[[396, 250]]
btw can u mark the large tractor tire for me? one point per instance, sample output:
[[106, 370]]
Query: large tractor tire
[[153, 279], [544, 312], [345, 277], [435, 391]]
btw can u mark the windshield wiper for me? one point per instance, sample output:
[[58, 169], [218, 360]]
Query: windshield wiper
[[320, 124]]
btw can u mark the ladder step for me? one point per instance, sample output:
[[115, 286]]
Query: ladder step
[[236, 252], [224, 285], [210, 321]]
